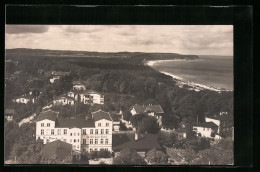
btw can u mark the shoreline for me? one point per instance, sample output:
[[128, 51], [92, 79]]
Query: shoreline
[[182, 82]]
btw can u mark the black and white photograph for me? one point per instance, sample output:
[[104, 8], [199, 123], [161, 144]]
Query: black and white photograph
[[119, 94]]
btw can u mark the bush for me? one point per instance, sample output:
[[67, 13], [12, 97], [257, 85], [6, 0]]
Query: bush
[[104, 154]]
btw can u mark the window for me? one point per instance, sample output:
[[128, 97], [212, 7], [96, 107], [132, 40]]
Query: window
[[78, 146], [70, 140], [75, 140], [42, 132], [96, 141], [84, 141], [203, 129], [95, 149], [74, 134], [101, 141], [78, 140], [48, 124], [102, 131], [70, 134], [107, 131], [106, 141], [99, 124], [59, 131], [78, 134], [91, 141], [42, 124], [96, 131], [107, 124], [63, 100], [90, 149], [106, 149], [52, 131], [84, 131], [91, 131], [65, 140]]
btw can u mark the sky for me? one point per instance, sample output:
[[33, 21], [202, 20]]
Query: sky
[[182, 39]]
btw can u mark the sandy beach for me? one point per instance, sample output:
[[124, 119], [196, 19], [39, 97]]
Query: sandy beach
[[181, 82]]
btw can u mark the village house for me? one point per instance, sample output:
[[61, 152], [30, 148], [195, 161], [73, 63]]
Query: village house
[[63, 100], [57, 75], [140, 142], [57, 152], [151, 110], [24, 99], [78, 86], [218, 120], [85, 134], [9, 114], [207, 129], [87, 97]]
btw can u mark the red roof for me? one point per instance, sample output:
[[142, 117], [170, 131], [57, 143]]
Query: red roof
[[144, 143], [142, 109], [98, 115], [51, 115], [207, 125], [74, 123], [56, 150]]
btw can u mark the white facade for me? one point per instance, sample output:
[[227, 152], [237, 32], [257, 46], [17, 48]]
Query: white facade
[[133, 112], [79, 87], [55, 77], [205, 132], [215, 121], [64, 101], [82, 139], [22, 100], [94, 98]]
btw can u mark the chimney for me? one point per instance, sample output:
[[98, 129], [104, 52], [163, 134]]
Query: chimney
[[136, 136]]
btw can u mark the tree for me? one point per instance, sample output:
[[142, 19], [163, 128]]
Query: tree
[[156, 157], [136, 119], [104, 153], [167, 139], [149, 124], [126, 115], [129, 157]]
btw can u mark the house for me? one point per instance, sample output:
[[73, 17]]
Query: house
[[9, 114], [57, 75], [92, 97], [63, 100], [87, 97], [207, 129], [116, 121], [85, 134], [141, 143], [220, 119], [78, 86], [181, 133], [151, 110], [58, 152], [24, 99]]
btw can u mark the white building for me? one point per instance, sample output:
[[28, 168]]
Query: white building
[[55, 75], [79, 86], [85, 135], [207, 129], [23, 99], [63, 100], [87, 97]]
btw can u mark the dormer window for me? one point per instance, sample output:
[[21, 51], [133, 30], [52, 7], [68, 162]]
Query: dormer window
[[107, 124], [99, 124], [48, 124], [42, 124]]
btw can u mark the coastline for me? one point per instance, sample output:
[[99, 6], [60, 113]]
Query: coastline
[[182, 82]]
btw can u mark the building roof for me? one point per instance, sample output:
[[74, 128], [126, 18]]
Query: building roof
[[56, 150], [220, 117], [60, 73], [51, 115], [142, 109], [63, 97], [127, 140], [74, 123], [207, 125], [10, 111], [98, 115]]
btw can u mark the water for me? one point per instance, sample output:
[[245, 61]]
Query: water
[[216, 71]]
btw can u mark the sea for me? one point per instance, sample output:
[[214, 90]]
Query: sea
[[215, 71]]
